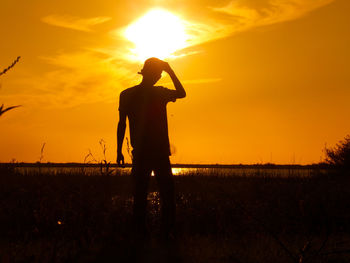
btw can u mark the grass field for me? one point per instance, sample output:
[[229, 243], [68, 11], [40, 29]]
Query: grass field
[[77, 218]]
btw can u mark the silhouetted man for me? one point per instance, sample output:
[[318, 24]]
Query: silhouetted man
[[145, 107]]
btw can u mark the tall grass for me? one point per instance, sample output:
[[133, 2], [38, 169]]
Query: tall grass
[[75, 218]]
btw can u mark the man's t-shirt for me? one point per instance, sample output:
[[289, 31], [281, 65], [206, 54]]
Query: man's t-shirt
[[145, 108]]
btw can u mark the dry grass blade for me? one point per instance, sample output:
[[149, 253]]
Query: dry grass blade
[[42, 152], [104, 164], [11, 66], [3, 110]]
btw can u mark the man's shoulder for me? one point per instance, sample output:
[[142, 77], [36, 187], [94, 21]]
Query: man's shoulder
[[128, 91], [126, 97]]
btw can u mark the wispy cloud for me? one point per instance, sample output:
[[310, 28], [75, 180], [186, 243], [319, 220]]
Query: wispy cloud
[[75, 23], [241, 15], [245, 14], [79, 78], [85, 77]]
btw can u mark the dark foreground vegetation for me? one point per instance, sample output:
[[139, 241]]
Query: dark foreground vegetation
[[77, 218]]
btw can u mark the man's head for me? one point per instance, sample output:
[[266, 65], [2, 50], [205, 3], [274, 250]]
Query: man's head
[[152, 70]]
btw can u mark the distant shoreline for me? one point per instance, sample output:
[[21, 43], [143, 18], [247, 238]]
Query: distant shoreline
[[176, 165]]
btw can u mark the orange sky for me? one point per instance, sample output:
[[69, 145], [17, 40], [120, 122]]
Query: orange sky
[[266, 81]]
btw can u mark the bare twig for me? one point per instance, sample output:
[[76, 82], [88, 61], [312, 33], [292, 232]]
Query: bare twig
[[104, 148], [42, 152], [90, 155], [11, 66], [104, 164], [3, 110], [303, 251]]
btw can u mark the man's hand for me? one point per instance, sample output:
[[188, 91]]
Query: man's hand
[[181, 93], [167, 67], [120, 160]]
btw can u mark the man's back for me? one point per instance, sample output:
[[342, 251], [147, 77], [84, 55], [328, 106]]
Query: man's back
[[146, 111]]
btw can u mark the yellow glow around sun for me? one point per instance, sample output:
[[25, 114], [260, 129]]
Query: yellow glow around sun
[[158, 33]]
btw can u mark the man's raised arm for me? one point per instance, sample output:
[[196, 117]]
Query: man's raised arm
[[120, 137], [181, 93]]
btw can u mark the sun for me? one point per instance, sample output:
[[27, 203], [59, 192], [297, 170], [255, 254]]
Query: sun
[[158, 33]]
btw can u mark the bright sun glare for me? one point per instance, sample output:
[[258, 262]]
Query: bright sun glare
[[158, 33]]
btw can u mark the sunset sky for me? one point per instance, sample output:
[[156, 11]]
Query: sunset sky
[[266, 80]]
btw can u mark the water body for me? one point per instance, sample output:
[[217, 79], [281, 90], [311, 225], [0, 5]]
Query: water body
[[177, 171]]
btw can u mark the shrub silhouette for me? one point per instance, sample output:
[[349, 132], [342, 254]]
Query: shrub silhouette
[[339, 156]]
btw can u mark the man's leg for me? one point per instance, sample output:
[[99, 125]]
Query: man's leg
[[165, 182], [140, 174]]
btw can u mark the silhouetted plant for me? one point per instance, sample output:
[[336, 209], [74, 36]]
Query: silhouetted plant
[[339, 156], [104, 164], [2, 109], [88, 159], [11, 66], [41, 157], [42, 152]]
